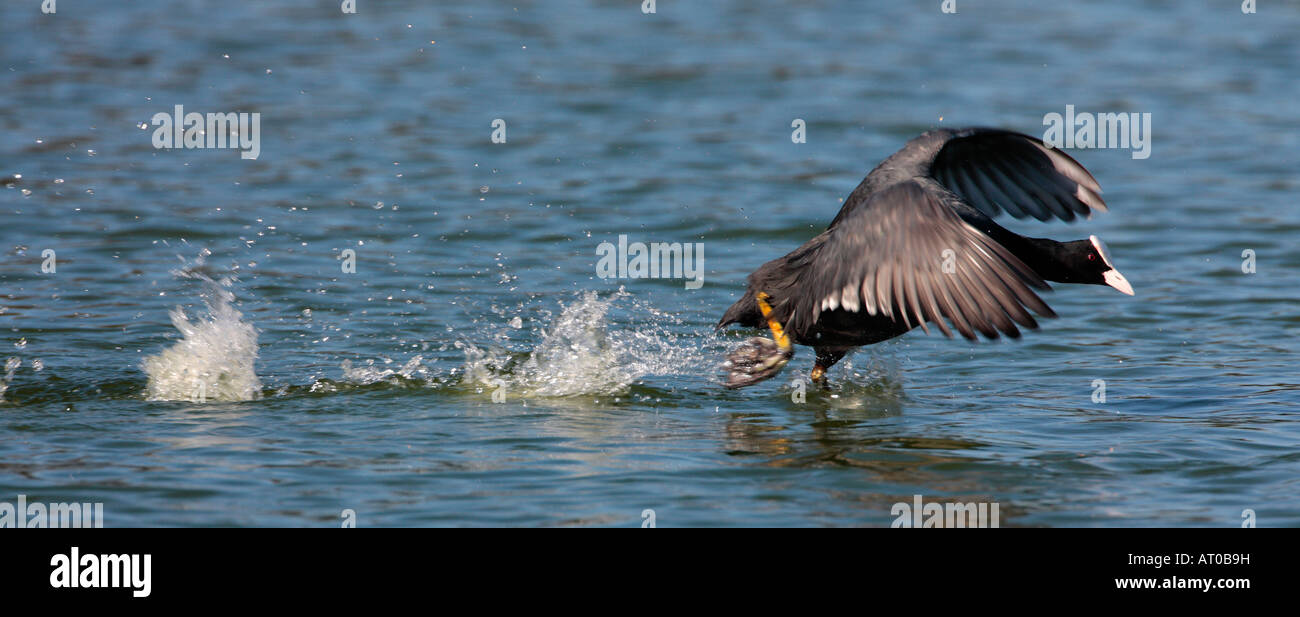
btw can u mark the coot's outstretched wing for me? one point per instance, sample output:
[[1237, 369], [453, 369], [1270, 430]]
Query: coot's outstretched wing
[[995, 170], [906, 254]]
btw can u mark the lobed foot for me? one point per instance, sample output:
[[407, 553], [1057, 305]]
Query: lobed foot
[[755, 360]]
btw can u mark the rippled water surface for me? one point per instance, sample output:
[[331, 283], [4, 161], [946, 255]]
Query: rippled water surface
[[475, 264]]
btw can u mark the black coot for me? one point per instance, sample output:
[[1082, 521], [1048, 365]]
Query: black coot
[[916, 243]]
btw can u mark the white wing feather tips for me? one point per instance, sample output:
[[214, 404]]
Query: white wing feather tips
[[849, 298], [867, 298], [831, 302]]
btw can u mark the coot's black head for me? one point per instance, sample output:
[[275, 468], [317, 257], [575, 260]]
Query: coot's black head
[[1089, 262]]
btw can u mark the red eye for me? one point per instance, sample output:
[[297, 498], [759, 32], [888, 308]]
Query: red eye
[[1092, 257]]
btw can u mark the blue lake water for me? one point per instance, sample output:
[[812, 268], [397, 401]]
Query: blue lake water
[[475, 264]]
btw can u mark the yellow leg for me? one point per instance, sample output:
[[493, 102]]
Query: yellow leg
[[760, 358], [778, 332], [818, 372]]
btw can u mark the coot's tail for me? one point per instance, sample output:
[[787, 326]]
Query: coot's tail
[[744, 312]]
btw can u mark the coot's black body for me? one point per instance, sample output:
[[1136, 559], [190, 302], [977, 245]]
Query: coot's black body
[[915, 243]]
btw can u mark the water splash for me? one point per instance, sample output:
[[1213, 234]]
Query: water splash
[[214, 360], [581, 354], [11, 368], [871, 381], [368, 373]]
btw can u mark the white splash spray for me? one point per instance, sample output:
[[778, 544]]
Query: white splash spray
[[368, 373], [579, 354], [214, 360], [11, 367]]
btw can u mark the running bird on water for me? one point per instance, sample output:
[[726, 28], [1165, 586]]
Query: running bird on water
[[916, 243]]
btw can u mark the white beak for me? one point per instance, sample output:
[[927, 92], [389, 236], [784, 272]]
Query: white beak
[[1117, 280], [1112, 276]]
